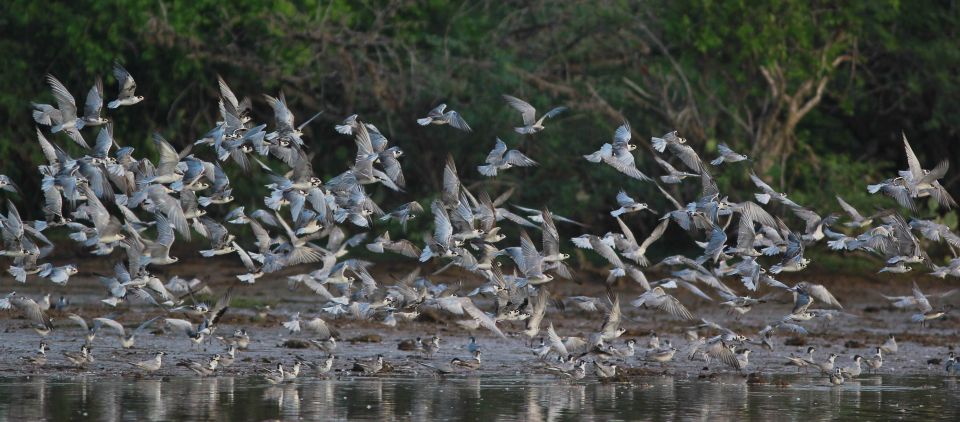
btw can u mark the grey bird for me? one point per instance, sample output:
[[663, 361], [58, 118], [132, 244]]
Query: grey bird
[[768, 193], [199, 368], [128, 88], [67, 107], [629, 205], [727, 155], [82, 359], [7, 184], [678, 146], [658, 299], [151, 365], [92, 107], [618, 154], [502, 159], [673, 175], [438, 116], [530, 123]]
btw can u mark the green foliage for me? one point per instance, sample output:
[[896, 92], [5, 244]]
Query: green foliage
[[392, 61]]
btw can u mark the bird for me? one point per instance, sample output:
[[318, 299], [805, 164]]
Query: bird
[[890, 346], [128, 88], [825, 367], [768, 193], [618, 154], [658, 299], [604, 371], [926, 310], [500, 158], [369, 367], [628, 205], [324, 367], [530, 123], [471, 365], [802, 362], [275, 377], [82, 359], [836, 377], [40, 357], [727, 155], [438, 116], [203, 370], [854, 370], [151, 365], [875, 362]]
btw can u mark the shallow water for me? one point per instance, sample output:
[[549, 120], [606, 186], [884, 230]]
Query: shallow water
[[532, 398]]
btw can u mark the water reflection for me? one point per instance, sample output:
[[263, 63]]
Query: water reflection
[[530, 399]]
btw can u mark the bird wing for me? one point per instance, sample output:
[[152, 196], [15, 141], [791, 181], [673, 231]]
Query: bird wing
[[526, 110], [457, 121], [480, 316], [79, 321], [65, 100], [496, 155], [761, 184], [127, 85], [518, 159], [555, 341], [913, 163], [112, 324], [849, 209], [94, 102], [922, 303], [822, 294]]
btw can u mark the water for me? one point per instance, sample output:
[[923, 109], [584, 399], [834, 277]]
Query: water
[[534, 398]]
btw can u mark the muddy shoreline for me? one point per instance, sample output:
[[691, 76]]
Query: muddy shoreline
[[866, 325]]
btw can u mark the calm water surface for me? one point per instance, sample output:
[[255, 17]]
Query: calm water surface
[[534, 398]]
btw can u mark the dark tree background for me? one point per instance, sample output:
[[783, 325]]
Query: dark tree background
[[817, 92]]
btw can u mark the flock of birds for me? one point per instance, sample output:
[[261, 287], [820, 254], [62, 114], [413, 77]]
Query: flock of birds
[[118, 206]]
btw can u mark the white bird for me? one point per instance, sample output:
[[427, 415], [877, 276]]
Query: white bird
[[437, 116], [501, 159], [530, 123], [128, 88]]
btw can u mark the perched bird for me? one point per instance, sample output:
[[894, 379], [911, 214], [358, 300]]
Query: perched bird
[[82, 359], [854, 370], [38, 359], [876, 361], [369, 367], [472, 365], [203, 370], [836, 377], [802, 362], [151, 365]]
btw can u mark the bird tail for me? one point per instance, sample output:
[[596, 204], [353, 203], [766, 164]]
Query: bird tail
[[113, 104], [762, 198], [717, 161], [593, 158], [424, 121], [659, 144], [204, 201], [488, 170], [874, 188], [18, 273]]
